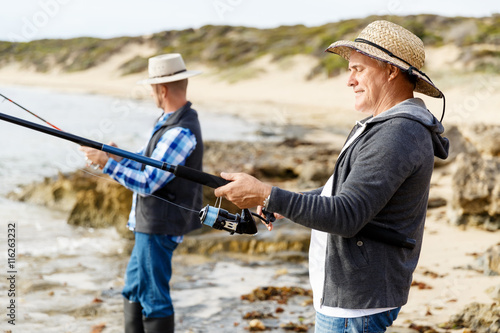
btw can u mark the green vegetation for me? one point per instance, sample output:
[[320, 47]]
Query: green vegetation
[[71, 55], [135, 65], [488, 31], [227, 47], [487, 61]]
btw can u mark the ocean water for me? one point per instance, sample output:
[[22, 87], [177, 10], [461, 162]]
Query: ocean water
[[27, 155]]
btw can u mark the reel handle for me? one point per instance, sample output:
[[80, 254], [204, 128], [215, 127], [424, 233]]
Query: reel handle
[[269, 216]]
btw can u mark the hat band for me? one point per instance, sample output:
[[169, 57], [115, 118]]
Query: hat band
[[178, 72], [409, 70]]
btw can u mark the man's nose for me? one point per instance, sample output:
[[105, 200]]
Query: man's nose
[[351, 81]]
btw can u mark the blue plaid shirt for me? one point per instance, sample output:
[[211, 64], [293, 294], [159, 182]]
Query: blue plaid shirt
[[174, 147]]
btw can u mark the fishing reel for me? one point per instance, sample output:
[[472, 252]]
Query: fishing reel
[[221, 219]]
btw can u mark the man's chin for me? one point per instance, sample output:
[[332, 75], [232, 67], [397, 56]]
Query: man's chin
[[360, 108]]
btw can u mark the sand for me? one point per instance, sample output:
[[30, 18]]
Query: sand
[[278, 93]]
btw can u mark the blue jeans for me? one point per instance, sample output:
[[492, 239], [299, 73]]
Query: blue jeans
[[148, 274], [376, 323]]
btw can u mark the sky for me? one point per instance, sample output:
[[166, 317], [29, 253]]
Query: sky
[[26, 20]]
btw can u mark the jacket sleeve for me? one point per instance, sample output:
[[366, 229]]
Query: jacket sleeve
[[382, 163]]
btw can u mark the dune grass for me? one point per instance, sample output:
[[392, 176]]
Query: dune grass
[[225, 47]]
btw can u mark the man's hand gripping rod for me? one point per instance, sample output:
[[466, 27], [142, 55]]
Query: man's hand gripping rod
[[216, 218]]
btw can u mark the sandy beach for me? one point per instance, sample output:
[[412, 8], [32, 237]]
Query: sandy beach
[[280, 94]]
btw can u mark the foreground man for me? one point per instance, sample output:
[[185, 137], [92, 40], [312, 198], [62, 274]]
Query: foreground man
[[381, 177], [158, 224]]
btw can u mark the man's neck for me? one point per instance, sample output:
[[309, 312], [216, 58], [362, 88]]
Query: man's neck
[[171, 106], [393, 99]]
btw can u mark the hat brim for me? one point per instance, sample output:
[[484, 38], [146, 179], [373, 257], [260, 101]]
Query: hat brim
[[344, 48], [170, 78]]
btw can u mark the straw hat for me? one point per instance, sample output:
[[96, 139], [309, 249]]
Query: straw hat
[[391, 43], [167, 68]]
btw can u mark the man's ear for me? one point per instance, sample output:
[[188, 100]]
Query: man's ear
[[163, 90], [393, 72]]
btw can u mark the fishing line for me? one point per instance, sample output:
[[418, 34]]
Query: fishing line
[[214, 217], [22, 107], [213, 210], [150, 195], [45, 121]]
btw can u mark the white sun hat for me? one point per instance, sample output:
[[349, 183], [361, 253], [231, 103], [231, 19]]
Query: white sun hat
[[167, 68]]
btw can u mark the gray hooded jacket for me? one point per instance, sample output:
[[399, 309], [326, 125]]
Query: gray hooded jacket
[[382, 178]]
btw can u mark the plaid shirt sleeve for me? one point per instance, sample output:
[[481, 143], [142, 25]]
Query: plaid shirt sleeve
[[174, 147], [128, 163]]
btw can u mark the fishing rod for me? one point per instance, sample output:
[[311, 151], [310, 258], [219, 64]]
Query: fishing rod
[[22, 107], [216, 218], [211, 216], [37, 116]]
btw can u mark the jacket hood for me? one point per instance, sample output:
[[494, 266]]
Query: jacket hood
[[415, 109]]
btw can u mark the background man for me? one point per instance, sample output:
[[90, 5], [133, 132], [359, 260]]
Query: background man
[[158, 224], [382, 177]]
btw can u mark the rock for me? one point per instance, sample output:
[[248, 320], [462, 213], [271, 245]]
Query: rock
[[489, 262], [290, 239], [58, 192], [458, 144], [314, 174], [106, 203], [436, 202], [494, 292], [90, 198], [479, 318], [39, 285], [88, 310], [256, 325], [476, 191], [485, 138], [475, 150], [306, 165]]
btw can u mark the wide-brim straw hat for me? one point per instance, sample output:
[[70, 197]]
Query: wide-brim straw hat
[[391, 43], [167, 68]]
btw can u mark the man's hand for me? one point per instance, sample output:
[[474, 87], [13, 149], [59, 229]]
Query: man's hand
[[115, 157], [269, 225], [98, 157], [95, 156], [244, 190]]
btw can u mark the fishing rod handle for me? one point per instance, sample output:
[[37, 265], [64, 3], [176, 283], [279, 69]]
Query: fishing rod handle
[[199, 177], [180, 171], [138, 158]]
